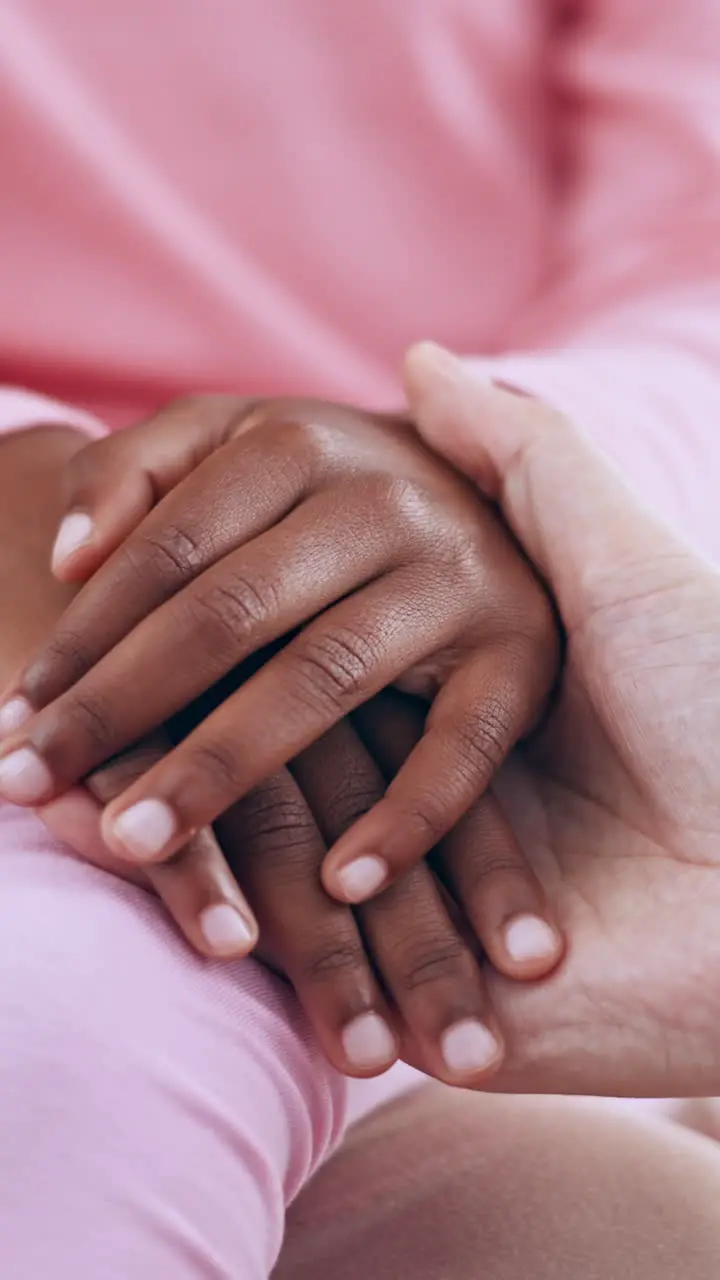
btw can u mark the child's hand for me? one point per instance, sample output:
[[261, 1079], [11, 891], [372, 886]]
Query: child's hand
[[196, 885], [430, 1002], [400, 976], [306, 512]]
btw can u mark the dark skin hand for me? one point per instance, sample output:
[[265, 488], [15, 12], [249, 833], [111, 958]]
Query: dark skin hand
[[297, 517], [399, 976]]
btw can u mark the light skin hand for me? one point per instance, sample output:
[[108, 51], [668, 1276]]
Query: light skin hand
[[617, 804]]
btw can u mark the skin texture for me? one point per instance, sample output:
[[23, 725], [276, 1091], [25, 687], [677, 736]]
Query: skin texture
[[347, 524], [413, 939], [616, 802]]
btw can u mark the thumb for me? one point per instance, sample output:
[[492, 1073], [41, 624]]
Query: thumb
[[113, 483], [581, 526]]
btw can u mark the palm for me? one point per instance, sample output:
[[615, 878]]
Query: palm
[[619, 806]]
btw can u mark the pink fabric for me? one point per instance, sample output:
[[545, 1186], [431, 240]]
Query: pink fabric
[[280, 195], [157, 1112]]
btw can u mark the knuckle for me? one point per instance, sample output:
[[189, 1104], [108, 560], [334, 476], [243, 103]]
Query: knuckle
[[344, 808], [430, 960], [414, 509], [172, 555], [217, 763], [426, 818], [332, 958], [311, 438], [281, 828], [65, 659], [483, 739], [430, 532], [86, 713], [335, 667], [232, 609]]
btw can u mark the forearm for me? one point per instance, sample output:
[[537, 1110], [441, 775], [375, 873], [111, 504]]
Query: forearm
[[31, 493]]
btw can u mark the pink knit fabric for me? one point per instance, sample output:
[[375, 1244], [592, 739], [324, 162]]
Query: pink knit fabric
[[157, 1111]]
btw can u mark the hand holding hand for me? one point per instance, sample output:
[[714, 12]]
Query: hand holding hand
[[617, 803]]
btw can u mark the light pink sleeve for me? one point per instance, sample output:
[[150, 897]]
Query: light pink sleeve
[[20, 409], [624, 335]]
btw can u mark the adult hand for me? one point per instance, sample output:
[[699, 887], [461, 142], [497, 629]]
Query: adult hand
[[617, 802]]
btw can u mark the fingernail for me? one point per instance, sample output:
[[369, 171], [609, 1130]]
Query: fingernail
[[145, 828], [360, 879], [368, 1042], [224, 930], [530, 938], [75, 530], [14, 714], [24, 777], [469, 1046]]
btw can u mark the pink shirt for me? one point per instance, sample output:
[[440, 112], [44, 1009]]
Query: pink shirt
[[280, 195]]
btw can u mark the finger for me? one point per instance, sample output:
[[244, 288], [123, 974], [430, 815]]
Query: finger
[[276, 846], [482, 711], [484, 868], [251, 463], [238, 607], [479, 861], [430, 974], [194, 527], [204, 899], [113, 483], [434, 979], [196, 886], [331, 667], [206, 517], [548, 479]]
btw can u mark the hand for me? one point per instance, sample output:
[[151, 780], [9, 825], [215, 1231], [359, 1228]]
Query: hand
[[618, 802], [344, 520], [430, 1003], [401, 975], [197, 882]]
